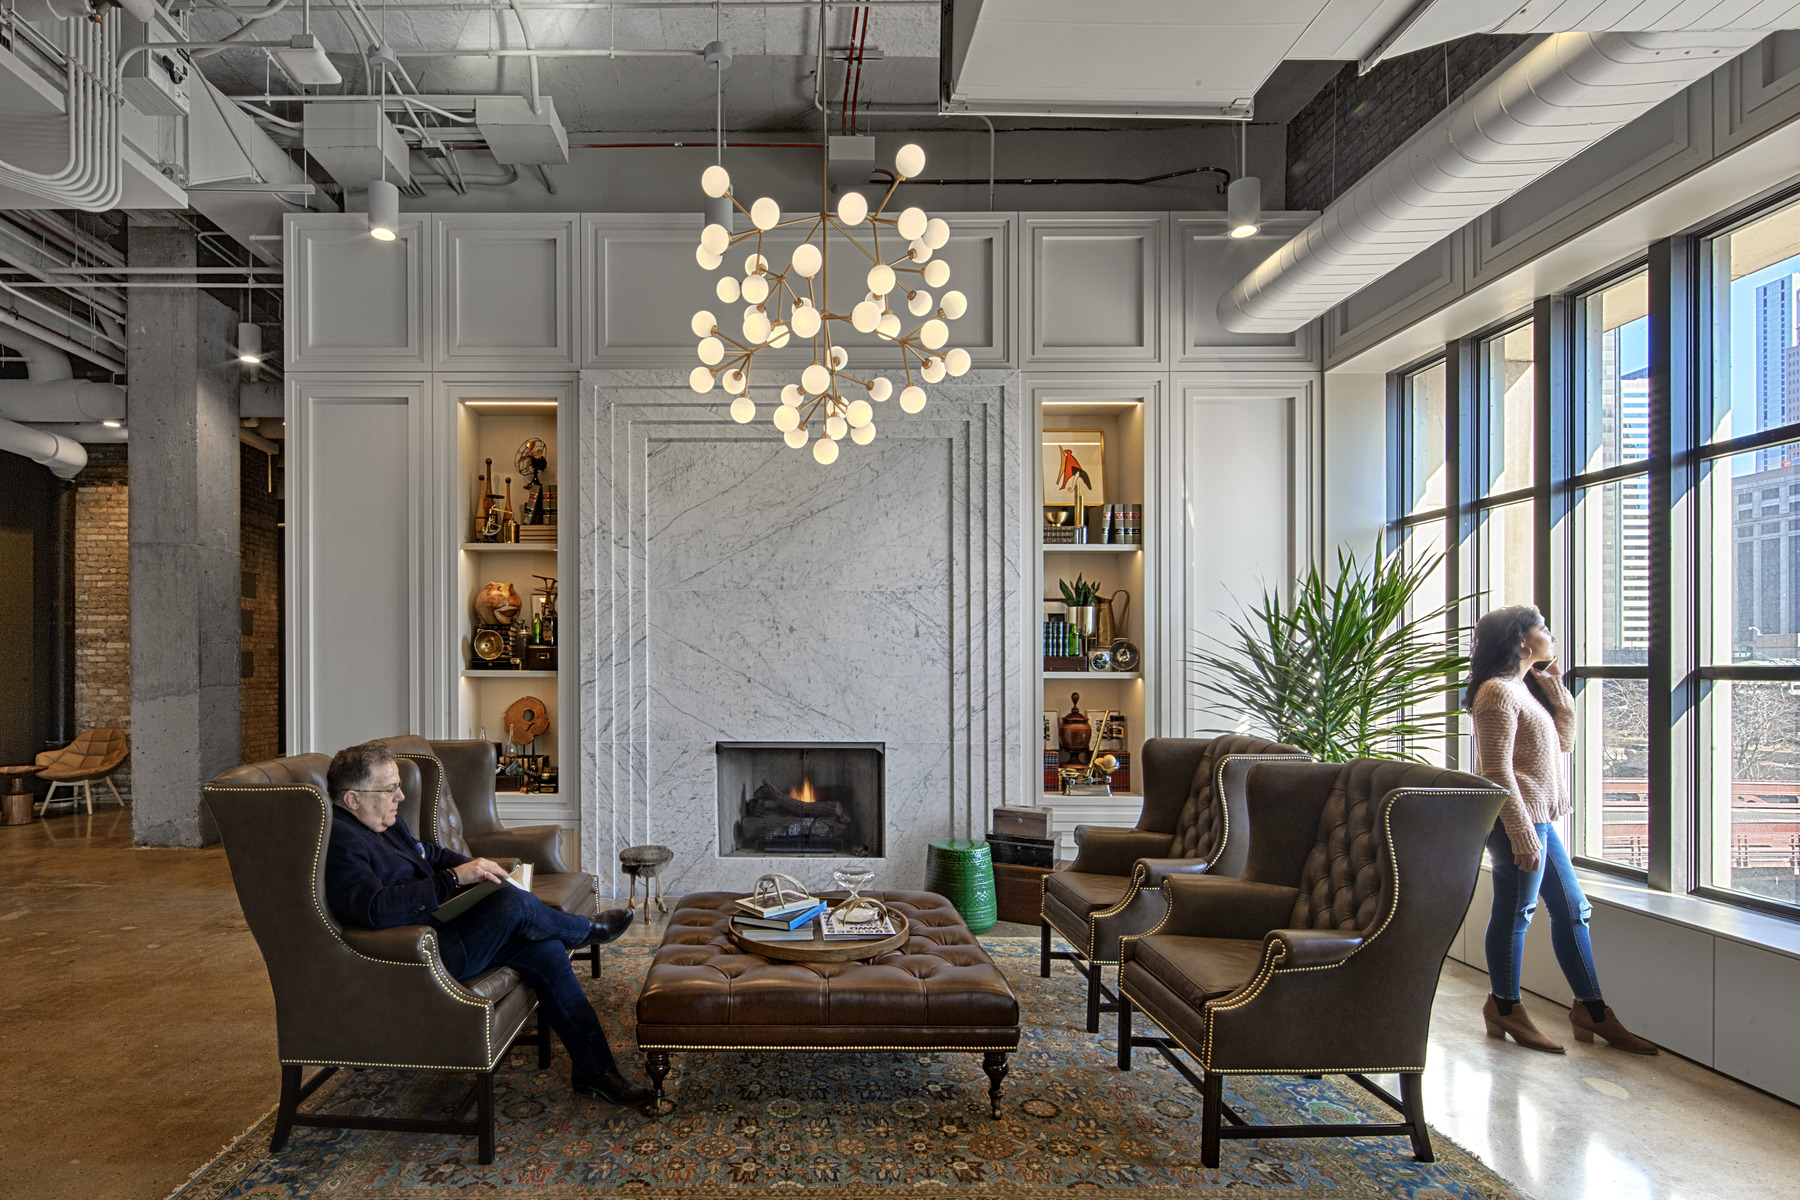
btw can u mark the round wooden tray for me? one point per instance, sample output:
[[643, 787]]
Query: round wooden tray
[[820, 950]]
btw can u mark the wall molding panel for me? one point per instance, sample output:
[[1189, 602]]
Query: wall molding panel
[[1208, 261], [1095, 289], [354, 303], [507, 291]]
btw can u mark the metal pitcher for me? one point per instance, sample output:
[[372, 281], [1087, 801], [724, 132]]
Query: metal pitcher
[[1112, 621]]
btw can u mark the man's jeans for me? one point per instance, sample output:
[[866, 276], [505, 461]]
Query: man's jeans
[[515, 929], [1516, 899]]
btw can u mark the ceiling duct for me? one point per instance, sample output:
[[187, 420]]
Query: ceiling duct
[[1558, 99], [350, 140]]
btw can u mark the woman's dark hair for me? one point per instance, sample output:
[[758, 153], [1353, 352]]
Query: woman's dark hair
[[1494, 648]]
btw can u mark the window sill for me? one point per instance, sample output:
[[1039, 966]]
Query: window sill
[[1761, 930]]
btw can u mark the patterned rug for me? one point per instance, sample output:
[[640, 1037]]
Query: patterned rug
[[757, 1124]]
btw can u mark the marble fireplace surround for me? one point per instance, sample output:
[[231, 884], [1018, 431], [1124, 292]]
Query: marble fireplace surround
[[732, 589]]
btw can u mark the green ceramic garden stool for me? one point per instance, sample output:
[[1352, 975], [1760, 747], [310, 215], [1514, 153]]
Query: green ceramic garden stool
[[962, 871]]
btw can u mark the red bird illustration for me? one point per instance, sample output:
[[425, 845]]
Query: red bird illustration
[[1071, 469]]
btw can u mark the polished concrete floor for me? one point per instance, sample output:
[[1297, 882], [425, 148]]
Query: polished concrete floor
[[137, 1038]]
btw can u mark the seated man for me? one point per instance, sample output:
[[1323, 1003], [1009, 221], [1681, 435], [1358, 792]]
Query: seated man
[[377, 875]]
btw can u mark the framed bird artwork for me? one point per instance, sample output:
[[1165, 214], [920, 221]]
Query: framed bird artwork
[[1074, 458]]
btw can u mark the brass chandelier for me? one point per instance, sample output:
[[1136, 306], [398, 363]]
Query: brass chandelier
[[830, 401]]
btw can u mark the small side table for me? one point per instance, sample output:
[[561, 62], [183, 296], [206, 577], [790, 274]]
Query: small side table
[[646, 863], [15, 795], [962, 871]]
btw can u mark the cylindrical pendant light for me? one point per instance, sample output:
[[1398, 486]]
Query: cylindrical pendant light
[[1243, 205], [384, 210], [249, 344]]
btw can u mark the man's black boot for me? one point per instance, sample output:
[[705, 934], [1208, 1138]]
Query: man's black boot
[[611, 1086]]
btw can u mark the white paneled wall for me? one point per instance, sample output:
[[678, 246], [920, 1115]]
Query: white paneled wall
[[506, 292], [1094, 287]]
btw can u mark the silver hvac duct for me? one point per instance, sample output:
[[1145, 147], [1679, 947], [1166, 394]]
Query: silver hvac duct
[[1559, 98]]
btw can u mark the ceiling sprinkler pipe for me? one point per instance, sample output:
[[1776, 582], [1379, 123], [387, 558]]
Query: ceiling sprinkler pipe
[[63, 455]]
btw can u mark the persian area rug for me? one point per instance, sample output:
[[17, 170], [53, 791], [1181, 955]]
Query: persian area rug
[[759, 1124]]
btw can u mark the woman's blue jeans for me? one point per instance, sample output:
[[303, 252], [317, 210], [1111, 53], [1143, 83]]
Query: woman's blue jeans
[[1516, 898]]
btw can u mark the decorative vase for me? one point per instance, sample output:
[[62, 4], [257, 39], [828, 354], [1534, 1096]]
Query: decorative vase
[[961, 870], [1084, 617]]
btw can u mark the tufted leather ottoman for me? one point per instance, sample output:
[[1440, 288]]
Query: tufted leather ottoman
[[939, 992]]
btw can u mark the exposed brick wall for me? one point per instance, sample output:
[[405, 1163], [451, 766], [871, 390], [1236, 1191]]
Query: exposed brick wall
[[103, 596], [259, 564], [1356, 121]]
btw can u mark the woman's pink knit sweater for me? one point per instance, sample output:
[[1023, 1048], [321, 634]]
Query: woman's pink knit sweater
[[1519, 745]]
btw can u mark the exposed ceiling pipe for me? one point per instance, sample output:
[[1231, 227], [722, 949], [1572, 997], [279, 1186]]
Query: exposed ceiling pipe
[[90, 176], [1559, 98], [52, 393], [63, 455]]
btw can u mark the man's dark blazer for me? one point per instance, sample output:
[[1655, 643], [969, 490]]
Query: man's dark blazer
[[379, 880]]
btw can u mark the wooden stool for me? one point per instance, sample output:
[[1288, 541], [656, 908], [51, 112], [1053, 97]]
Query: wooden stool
[[15, 795], [646, 863]]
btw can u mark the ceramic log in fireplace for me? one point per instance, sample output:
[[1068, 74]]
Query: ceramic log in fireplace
[[802, 798]]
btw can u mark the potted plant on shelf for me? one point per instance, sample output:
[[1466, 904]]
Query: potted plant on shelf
[[1079, 599], [1345, 669]]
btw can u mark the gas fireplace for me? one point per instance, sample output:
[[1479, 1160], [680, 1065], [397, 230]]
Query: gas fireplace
[[802, 798]]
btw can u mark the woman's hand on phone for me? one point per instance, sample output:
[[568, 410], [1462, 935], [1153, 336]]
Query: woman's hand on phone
[[1550, 670]]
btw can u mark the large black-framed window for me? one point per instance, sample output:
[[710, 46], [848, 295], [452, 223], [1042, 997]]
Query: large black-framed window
[[1647, 498]]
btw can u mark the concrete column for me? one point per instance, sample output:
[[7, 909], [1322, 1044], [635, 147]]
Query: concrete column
[[184, 545]]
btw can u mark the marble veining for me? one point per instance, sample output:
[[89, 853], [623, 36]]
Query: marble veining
[[737, 591]]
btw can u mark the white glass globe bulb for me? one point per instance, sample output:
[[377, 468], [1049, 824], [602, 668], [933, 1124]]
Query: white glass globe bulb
[[734, 381], [881, 279], [836, 427], [937, 233], [880, 389], [806, 320], [765, 214], [890, 325], [815, 379], [912, 399], [743, 410], [932, 371], [852, 208], [712, 351], [715, 238], [715, 181], [808, 260], [795, 437], [911, 223], [786, 418], [707, 259], [918, 250], [703, 323], [954, 304], [778, 336], [859, 413], [825, 452], [866, 316], [934, 333], [840, 358], [727, 289], [937, 272], [756, 327], [862, 435], [755, 264], [701, 380], [755, 289], [791, 395], [910, 161], [920, 304], [957, 362]]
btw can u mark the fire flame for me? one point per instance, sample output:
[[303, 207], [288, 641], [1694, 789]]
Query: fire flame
[[803, 793]]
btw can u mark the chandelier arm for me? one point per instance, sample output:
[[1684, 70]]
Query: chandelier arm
[[846, 236], [889, 195], [734, 201]]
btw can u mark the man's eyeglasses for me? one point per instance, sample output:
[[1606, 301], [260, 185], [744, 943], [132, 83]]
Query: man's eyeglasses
[[377, 791]]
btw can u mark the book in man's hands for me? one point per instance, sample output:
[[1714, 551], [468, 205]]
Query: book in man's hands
[[475, 893], [785, 921]]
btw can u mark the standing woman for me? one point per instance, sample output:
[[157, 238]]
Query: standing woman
[[1524, 723]]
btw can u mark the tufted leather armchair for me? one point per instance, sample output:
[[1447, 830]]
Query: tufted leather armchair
[[1191, 821], [454, 807], [349, 997], [1324, 957]]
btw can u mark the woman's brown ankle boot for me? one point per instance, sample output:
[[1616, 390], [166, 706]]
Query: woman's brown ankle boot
[[1612, 1029], [1519, 1025]]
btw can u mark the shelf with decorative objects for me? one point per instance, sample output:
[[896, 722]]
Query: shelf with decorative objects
[[1092, 667], [510, 555]]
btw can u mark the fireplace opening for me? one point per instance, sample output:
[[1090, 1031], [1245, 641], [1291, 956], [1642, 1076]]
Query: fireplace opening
[[802, 798]]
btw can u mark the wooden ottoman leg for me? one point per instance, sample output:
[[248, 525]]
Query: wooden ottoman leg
[[994, 1063], [656, 1063]]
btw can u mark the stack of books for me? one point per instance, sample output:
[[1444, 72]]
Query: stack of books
[[1119, 524], [788, 913]]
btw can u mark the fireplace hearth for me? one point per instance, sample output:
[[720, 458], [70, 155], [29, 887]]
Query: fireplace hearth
[[802, 798]]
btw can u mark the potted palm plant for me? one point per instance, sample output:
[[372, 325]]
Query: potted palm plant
[[1346, 668]]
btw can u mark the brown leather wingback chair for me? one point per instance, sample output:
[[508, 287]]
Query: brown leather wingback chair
[[454, 808], [1191, 822], [1324, 957], [351, 997]]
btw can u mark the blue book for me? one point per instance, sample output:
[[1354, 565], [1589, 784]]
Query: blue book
[[794, 921]]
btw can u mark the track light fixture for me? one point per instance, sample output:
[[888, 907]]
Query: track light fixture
[[384, 210], [1243, 198], [249, 342]]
